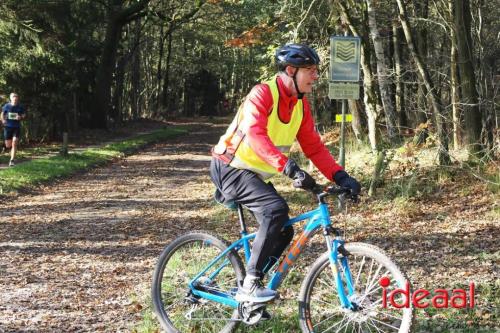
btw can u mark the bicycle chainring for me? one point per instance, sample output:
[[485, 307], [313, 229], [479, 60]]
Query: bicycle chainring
[[251, 313]]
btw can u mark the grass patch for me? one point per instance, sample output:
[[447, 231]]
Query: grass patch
[[44, 169], [27, 153]]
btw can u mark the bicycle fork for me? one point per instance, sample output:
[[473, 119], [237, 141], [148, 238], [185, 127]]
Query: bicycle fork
[[334, 247]]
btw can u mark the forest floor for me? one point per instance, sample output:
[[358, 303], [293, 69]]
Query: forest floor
[[77, 255]]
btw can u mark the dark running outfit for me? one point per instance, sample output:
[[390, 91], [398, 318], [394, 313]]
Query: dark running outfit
[[12, 126], [254, 148]]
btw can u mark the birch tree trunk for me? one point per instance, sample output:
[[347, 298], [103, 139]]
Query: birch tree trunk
[[443, 154], [383, 74], [421, 47], [399, 95], [454, 88]]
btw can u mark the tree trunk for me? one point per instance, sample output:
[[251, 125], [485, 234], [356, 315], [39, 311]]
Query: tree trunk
[[136, 73], [422, 114], [486, 85], [377, 172], [117, 18], [357, 120], [399, 96], [471, 111], [117, 105], [454, 87], [99, 113], [166, 77], [382, 74], [443, 154], [161, 46]]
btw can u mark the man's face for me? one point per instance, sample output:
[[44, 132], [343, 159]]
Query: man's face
[[306, 77], [14, 99]]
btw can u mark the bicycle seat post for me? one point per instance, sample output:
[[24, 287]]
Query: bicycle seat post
[[241, 218]]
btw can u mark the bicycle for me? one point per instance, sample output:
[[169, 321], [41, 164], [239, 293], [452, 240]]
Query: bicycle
[[197, 277]]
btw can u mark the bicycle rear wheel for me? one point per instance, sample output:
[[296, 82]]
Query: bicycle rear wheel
[[177, 309], [319, 305]]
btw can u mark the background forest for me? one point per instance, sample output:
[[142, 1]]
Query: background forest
[[77, 255], [428, 67]]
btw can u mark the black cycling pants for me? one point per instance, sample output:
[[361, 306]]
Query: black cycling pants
[[268, 207]]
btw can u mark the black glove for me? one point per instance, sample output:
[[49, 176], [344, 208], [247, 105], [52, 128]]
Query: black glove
[[343, 179], [301, 179]]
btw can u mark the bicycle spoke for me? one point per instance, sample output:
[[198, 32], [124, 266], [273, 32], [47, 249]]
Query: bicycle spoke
[[359, 271], [369, 274], [368, 326], [324, 283], [337, 323], [379, 321], [321, 301], [374, 279], [389, 314], [324, 320], [172, 305], [345, 325], [372, 325]]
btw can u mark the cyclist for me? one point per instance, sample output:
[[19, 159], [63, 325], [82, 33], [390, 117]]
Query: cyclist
[[255, 147], [12, 114]]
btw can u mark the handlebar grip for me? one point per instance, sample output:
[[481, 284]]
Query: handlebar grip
[[335, 189]]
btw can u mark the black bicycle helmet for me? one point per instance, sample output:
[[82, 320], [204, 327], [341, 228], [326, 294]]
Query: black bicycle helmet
[[296, 55]]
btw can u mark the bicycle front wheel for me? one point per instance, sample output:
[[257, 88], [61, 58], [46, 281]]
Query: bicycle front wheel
[[176, 307], [320, 307]]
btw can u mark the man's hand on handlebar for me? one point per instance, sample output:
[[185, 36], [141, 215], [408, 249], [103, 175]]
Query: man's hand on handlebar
[[301, 179], [344, 180], [342, 192], [347, 186]]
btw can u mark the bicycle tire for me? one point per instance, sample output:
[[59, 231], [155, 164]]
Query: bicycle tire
[[174, 265], [319, 318]]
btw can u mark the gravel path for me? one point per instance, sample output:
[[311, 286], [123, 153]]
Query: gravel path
[[78, 256]]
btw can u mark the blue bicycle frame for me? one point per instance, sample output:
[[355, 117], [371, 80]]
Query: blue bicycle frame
[[317, 218]]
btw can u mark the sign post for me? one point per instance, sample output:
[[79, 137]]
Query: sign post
[[344, 77]]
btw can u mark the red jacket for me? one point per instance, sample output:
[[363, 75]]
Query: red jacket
[[258, 105]]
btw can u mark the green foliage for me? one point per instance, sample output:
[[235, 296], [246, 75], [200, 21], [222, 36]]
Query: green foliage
[[48, 56]]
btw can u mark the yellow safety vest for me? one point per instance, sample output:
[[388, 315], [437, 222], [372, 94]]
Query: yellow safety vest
[[281, 134]]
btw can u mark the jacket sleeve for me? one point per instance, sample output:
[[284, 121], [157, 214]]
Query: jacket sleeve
[[256, 108], [313, 147]]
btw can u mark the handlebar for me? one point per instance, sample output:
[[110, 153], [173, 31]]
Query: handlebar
[[343, 193]]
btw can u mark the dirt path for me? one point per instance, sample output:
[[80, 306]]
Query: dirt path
[[74, 255]]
